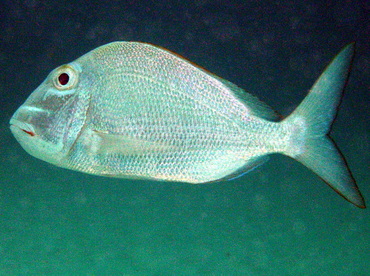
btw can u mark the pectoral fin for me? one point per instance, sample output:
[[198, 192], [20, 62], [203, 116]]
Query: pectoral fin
[[110, 143]]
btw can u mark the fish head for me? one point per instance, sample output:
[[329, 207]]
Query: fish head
[[49, 121]]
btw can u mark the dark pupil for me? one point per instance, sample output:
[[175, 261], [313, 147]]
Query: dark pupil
[[63, 78]]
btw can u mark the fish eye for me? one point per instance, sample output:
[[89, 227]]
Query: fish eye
[[65, 77]]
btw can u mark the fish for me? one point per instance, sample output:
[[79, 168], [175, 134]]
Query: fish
[[135, 110]]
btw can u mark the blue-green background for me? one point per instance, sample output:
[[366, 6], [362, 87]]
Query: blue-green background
[[280, 219]]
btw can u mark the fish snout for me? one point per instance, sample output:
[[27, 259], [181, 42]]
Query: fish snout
[[24, 119], [25, 126], [17, 126]]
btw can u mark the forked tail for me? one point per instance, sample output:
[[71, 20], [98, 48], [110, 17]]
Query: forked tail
[[315, 115]]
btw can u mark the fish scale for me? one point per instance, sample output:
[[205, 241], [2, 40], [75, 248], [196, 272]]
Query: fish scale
[[135, 110]]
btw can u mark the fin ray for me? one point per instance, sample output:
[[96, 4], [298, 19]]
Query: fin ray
[[255, 105]]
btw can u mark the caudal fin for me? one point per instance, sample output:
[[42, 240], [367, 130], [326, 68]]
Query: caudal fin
[[316, 113]]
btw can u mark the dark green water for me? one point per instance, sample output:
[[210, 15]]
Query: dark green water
[[280, 219]]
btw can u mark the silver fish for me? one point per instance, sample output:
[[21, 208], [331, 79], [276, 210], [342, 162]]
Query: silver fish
[[135, 110]]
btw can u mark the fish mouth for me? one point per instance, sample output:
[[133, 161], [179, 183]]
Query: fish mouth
[[16, 125]]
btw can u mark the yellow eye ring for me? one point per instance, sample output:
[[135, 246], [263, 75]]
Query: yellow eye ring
[[65, 77]]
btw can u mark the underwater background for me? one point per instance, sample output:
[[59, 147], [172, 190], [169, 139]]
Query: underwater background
[[280, 219]]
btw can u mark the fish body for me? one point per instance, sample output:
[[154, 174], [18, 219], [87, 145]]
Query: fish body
[[135, 110]]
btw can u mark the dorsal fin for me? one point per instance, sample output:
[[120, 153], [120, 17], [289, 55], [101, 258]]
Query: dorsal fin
[[256, 106]]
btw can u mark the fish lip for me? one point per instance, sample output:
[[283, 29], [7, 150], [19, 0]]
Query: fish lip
[[25, 127]]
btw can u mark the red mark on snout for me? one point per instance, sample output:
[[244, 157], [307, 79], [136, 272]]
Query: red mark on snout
[[29, 132]]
